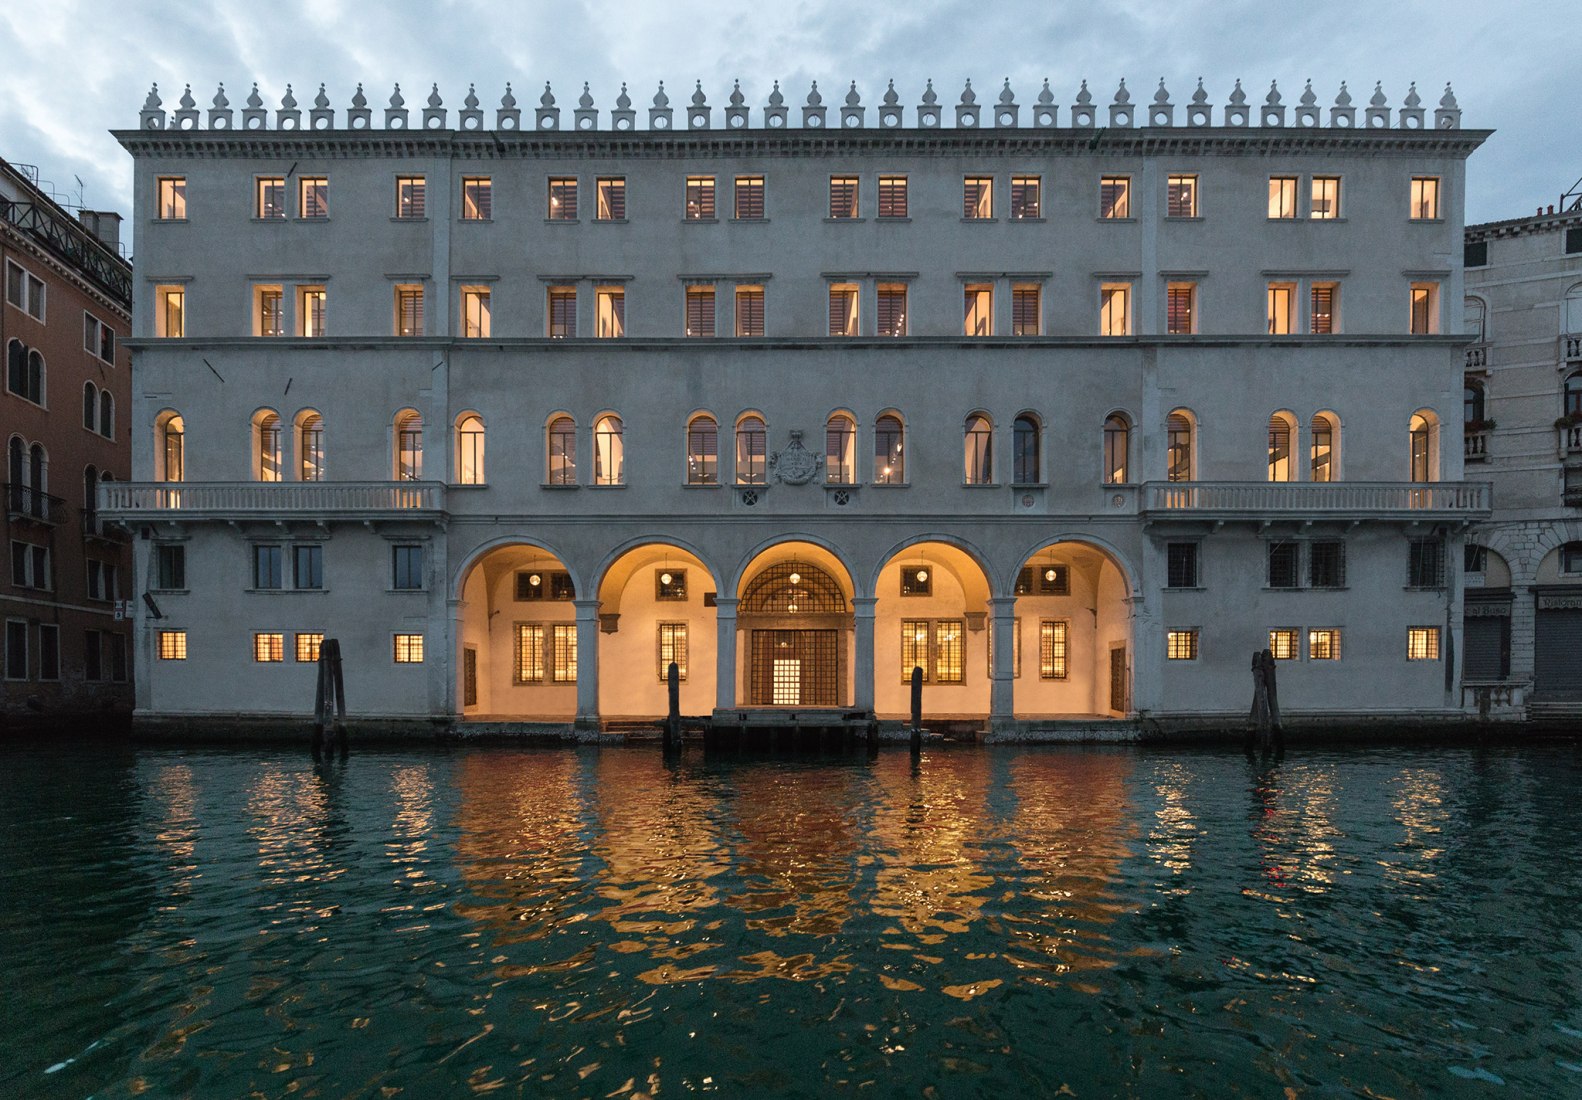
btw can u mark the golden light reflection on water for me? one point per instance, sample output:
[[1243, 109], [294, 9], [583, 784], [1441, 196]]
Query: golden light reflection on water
[[1175, 831], [1419, 806], [1293, 827]]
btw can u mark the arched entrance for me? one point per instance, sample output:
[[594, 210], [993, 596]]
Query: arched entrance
[[931, 611], [655, 607], [1071, 631], [795, 623], [516, 637]]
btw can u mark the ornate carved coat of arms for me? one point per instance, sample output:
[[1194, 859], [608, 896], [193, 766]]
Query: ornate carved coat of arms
[[795, 465]]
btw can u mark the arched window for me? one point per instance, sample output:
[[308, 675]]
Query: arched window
[[90, 406], [562, 451], [469, 450], [1573, 311], [889, 457], [106, 414], [1324, 448], [752, 443], [408, 446], [1025, 465], [1117, 450], [267, 465], [310, 446], [1475, 320], [1571, 397], [703, 451], [978, 465], [1472, 405], [1178, 447], [1423, 431], [16, 475], [840, 450], [170, 447], [37, 465], [1281, 430], [609, 451], [35, 377]]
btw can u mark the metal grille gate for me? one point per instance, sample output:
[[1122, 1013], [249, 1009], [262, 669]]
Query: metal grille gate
[[796, 668]]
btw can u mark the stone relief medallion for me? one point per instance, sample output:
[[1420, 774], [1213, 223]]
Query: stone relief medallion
[[795, 465]]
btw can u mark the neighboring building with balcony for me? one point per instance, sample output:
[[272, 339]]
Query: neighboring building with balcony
[[63, 404], [1523, 425], [1072, 408]]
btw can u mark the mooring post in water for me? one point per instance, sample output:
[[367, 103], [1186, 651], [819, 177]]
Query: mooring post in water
[[917, 708], [319, 705], [338, 681], [1264, 722], [329, 698], [1269, 666], [672, 738]]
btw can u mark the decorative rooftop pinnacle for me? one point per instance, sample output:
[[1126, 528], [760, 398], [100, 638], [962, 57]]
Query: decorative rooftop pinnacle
[[1046, 97], [433, 97], [1273, 98], [321, 100], [548, 98], [1007, 97], [1344, 98], [661, 100], [737, 99], [220, 102], [397, 101], [471, 102], [187, 102], [1378, 99], [507, 101], [1448, 100], [288, 101], [891, 98], [698, 98], [153, 101], [968, 96], [852, 98], [813, 98], [623, 101], [1084, 97], [1121, 94], [1412, 98], [1237, 96], [585, 100], [1200, 96], [775, 98], [1308, 98], [929, 96], [1161, 96]]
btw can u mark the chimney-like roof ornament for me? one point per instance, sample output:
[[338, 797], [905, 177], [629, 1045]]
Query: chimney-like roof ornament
[[661, 100], [1378, 99], [698, 98], [852, 98], [359, 100], [1121, 94], [187, 102], [968, 96], [1308, 98], [737, 99], [220, 102], [1273, 98], [775, 98], [929, 96], [508, 101], [153, 101], [813, 98], [471, 102], [321, 100], [397, 100], [1237, 96], [433, 97], [548, 98], [1200, 96], [1046, 97], [1160, 95], [1007, 97], [1344, 98], [585, 100], [891, 97], [623, 101]]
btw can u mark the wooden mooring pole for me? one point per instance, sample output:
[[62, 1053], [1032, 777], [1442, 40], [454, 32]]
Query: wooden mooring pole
[[917, 708], [329, 698], [672, 737], [1264, 721]]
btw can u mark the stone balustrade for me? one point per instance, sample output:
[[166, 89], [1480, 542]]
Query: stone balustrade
[[131, 501], [1309, 500]]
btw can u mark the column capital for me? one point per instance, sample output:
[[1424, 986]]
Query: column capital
[[726, 603], [998, 602], [587, 608], [864, 605]]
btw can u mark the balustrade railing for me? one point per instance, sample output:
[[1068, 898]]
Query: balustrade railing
[[1571, 439], [1352, 498], [123, 499], [1571, 347], [24, 501], [1475, 446], [1478, 357]]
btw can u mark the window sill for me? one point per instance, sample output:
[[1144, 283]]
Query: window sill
[[1426, 221], [979, 221], [402, 591], [559, 486], [317, 221], [1034, 218], [1016, 485], [1101, 219], [609, 221], [1184, 218], [891, 484], [1185, 588], [981, 485], [749, 221], [562, 221], [843, 221], [464, 221], [170, 591], [399, 218], [1323, 220], [700, 485], [469, 485], [884, 220], [605, 487], [270, 221], [169, 221], [700, 221]]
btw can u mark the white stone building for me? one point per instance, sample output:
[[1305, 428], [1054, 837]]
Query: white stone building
[[1074, 408], [1523, 430]]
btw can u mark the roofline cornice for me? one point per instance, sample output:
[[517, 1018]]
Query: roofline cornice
[[1522, 227]]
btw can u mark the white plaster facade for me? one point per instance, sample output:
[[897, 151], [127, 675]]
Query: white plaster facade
[[1105, 541]]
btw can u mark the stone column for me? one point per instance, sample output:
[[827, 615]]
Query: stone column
[[587, 664], [453, 697], [725, 653], [1002, 677], [862, 659]]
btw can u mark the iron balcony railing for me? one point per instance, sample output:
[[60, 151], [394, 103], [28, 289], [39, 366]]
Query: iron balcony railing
[[1307, 499], [128, 501], [26, 502], [74, 244]]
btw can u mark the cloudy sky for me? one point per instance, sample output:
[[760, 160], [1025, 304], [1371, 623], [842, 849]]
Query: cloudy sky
[[71, 70]]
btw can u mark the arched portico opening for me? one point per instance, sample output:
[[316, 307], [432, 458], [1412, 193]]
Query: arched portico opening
[[655, 607], [516, 637], [794, 621], [931, 611], [1071, 634]]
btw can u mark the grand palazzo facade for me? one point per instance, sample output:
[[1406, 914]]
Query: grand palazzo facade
[[1072, 408]]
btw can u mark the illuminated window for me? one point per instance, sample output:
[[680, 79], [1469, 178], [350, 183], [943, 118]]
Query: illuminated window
[[891, 309], [1178, 447], [1422, 643], [1027, 197], [892, 197], [562, 311], [409, 311], [530, 654], [977, 197], [562, 199], [562, 451], [1422, 437], [700, 199], [843, 196], [1323, 644], [751, 451], [268, 449], [700, 311], [563, 653], [411, 192], [268, 566], [470, 450], [313, 194], [172, 198], [609, 451], [889, 461], [842, 309], [1325, 198], [1181, 197], [749, 311], [914, 648], [670, 584], [1280, 308], [1052, 649], [477, 198], [1280, 465], [24, 290], [979, 451], [1025, 464], [1115, 314], [311, 304], [1026, 309], [1181, 645], [308, 567], [475, 312], [950, 642], [703, 451], [979, 310], [610, 199], [308, 646], [268, 313], [1285, 644], [170, 447], [1321, 449], [1325, 298], [409, 446], [1282, 197], [1181, 308], [749, 198], [1117, 449], [170, 313], [1425, 309], [172, 645], [1115, 197], [408, 649], [271, 197], [269, 648], [672, 645], [611, 303], [1425, 198], [840, 450]]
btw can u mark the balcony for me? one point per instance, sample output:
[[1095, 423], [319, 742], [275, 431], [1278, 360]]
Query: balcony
[[23, 502], [131, 502], [1478, 357], [1475, 446], [1570, 439], [95, 526], [1571, 346], [1258, 500]]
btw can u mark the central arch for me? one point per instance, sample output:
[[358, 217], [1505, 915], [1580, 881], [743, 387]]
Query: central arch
[[795, 620]]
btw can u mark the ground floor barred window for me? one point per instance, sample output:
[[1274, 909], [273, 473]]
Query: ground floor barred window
[[546, 652]]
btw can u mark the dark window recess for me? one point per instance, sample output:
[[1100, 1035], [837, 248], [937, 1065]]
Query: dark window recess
[[1044, 580], [92, 655], [670, 584], [1181, 565], [1326, 563], [1475, 558], [1285, 565], [916, 580], [1426, 564], [172, 562], [1476, 253], [1573, 241], [406, 567], [533, 584]]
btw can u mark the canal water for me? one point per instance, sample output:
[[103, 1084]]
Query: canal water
[[979, 922]]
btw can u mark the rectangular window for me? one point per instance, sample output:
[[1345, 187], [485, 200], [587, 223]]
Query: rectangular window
[[530, 661], [271, 200], [269, 648], [1422, 643], [170, 312], [1181, 308], [916, 581], [313, 196], [1027, 309], [311, 305], [411, 197], [1281, 308], [16, 661], [172, 198], [1573, 246], [977, 197], [1323, 644], [408, 649], [307, 567], [1324, 299], [269, 315], [562, 199], [477, 198], [1115, 197], [1425, 567], [842, 309], [48, 651], [409, 311], [1115, 314], [1476, 253], [1282, 197], [611, 199], [670, 584], [914, 648], [406, 568], [1181, 564], [93, 655], [98, 338], [563, 653], [1425, 198], [1052, 649], [101, 581], [950, 651], [700, 198], [700, 311], [843, 196], [475, 312], [172, 645], [170, 564], [1326, 563], [268, 566], [1181, 645], [118, 667], [892, 197], [1181, 197], [749, 198], [535, 585], [1027, 197], [1285, 560], [562, 311], [307, 647], [979, 310], [891, 310], [1325, 203], [1285, 644], [24, 290], [611, 302], [672, 647], [749, 311], [1425, 309]]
